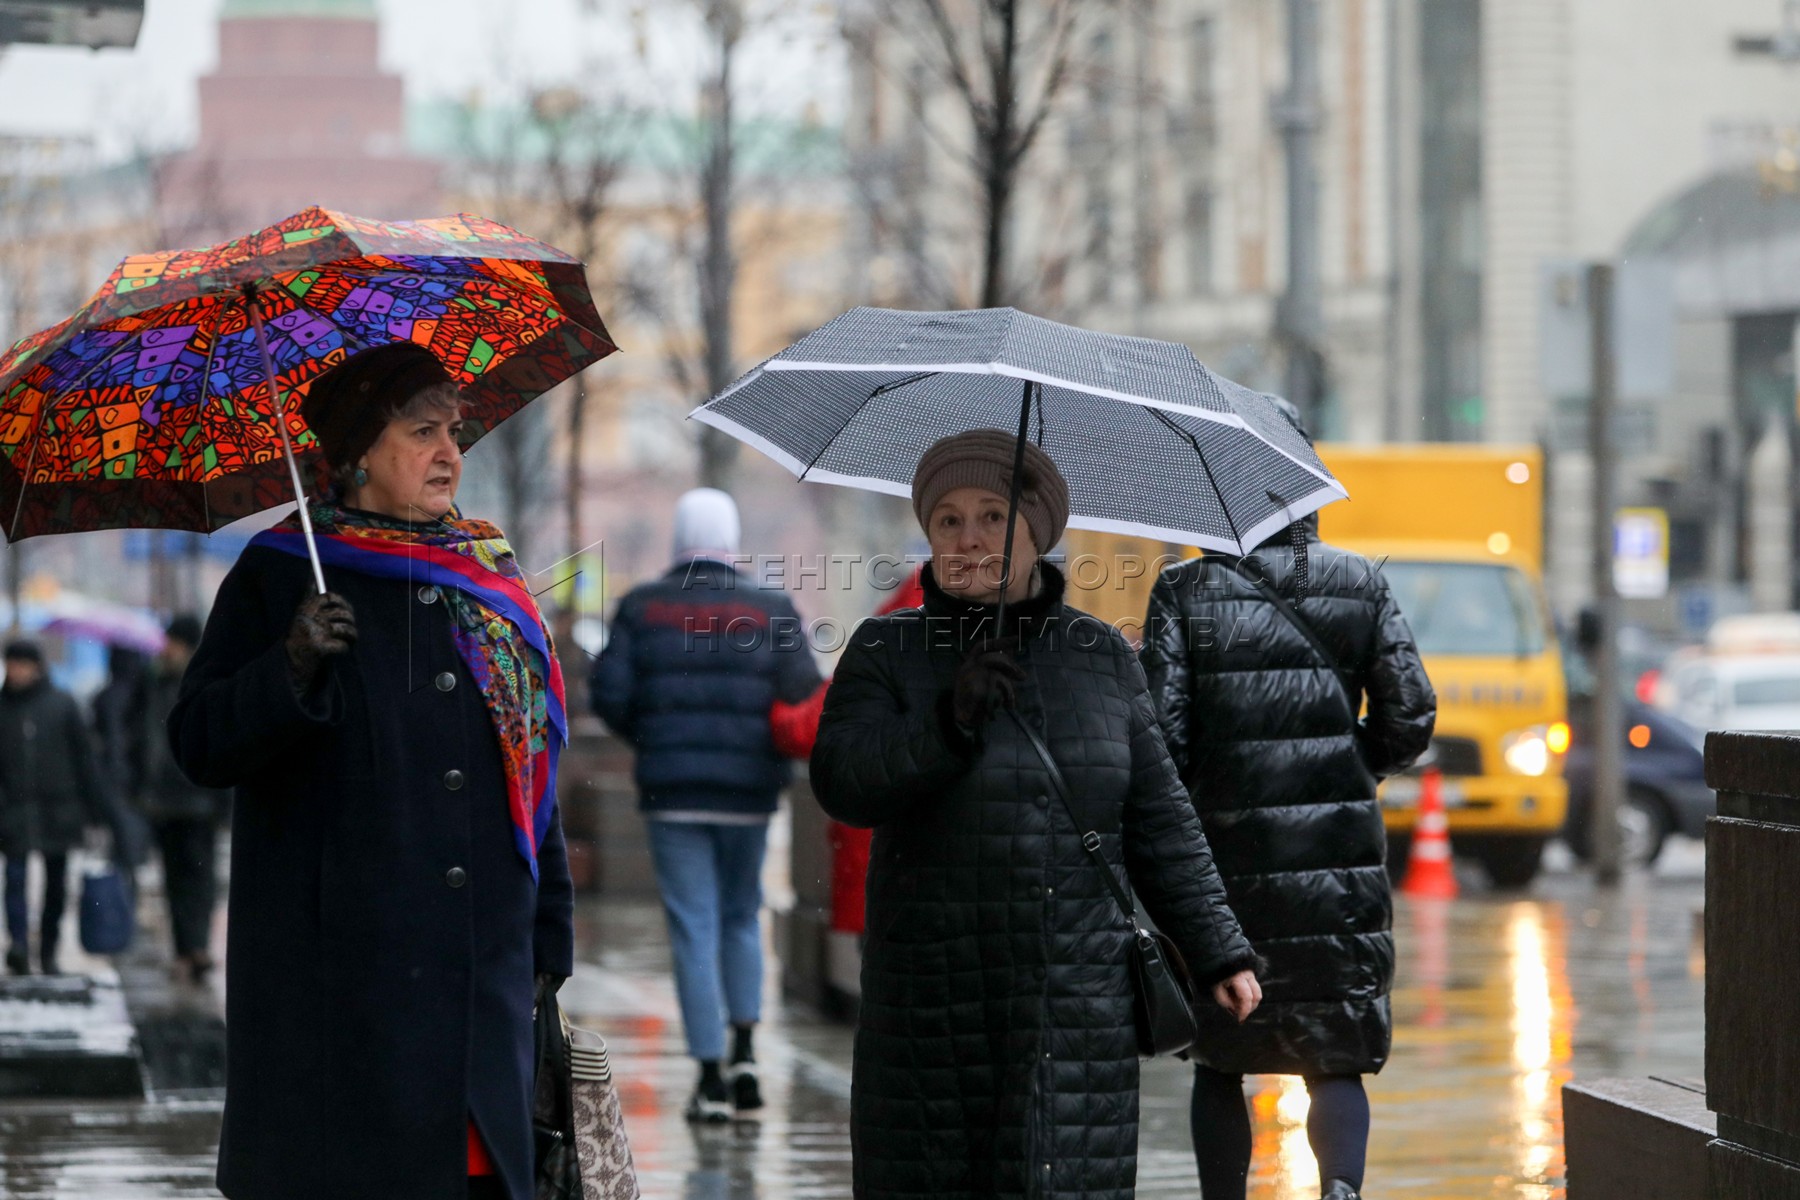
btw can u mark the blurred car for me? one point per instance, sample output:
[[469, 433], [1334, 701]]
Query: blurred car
[[1665, 781], [1758, 691]]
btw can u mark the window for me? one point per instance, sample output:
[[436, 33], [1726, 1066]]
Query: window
[[1198, 220], [1467, 608]]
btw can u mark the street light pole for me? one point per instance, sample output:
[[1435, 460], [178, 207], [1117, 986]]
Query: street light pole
[[1608, 718], [1298, 316]]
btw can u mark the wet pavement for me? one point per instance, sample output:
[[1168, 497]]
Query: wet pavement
[[1503, 998]]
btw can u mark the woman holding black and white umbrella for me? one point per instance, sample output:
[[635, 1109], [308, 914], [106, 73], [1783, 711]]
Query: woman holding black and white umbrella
[[997, 1054]]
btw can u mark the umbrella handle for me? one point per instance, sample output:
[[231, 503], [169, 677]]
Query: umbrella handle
[[1012, 504], [287, 447]]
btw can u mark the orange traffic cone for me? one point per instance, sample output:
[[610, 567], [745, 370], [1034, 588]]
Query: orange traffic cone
[[1428, 871]]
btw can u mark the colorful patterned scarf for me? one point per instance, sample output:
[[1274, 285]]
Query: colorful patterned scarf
[[497, 627]]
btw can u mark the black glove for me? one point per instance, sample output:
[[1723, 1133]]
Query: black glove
[[987, 681], [545, 987], [324, 626]]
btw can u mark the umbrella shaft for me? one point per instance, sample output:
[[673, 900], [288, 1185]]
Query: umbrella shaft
[[1012, 503], [287, 447]]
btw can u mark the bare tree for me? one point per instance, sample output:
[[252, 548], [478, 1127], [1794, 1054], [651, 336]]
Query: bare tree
[[585, 158], [1006, 62], [689, 294]]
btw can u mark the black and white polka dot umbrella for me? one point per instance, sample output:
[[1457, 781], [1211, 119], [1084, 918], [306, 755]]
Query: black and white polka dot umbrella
[[1151, 442]]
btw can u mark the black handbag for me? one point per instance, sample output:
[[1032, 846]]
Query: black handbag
[[557, 1174], [1163, 999]]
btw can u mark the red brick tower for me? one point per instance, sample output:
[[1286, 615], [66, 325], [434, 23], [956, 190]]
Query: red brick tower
[[297, 112]]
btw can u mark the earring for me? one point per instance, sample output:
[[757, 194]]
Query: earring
[[361, 477]]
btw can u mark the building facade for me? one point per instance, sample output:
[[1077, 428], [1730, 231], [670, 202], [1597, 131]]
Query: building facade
[[1463, 149]]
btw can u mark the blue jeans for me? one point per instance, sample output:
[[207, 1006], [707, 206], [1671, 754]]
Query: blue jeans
[[710, 877]]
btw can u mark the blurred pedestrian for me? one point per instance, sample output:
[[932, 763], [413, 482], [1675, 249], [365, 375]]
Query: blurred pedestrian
[[996, 1053], [115, 715], [400, 892], [52, 790], [693, 662], [183, 817], [1259, 668]]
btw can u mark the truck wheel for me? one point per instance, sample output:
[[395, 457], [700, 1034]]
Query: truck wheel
[[1511, 862]]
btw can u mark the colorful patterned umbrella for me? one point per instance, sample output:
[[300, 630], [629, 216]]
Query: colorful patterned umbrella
[[150, 407]]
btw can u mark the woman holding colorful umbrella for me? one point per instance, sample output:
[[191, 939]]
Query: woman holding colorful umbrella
[[399, 881]]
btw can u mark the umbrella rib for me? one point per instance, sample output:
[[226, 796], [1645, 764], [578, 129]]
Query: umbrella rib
[[843, 425], [1207, 467], [895, 386]]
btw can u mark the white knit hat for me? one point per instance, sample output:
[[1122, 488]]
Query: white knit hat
[[706, 525]]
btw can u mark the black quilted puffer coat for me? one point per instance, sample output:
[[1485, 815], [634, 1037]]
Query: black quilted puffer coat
[[996, 1054], [1283, 775]]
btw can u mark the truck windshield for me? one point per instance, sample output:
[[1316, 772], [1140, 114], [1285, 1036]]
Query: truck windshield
[[1467, 608]]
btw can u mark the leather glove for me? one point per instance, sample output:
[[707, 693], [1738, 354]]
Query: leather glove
[[324, 627], [545, 986], [987, 681]]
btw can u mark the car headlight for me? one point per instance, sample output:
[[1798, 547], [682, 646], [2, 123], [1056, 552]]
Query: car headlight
[[1527, 751]]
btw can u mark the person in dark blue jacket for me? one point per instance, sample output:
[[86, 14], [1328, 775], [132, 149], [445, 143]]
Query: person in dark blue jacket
[[693, 662]]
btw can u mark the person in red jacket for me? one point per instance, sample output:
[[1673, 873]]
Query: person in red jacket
[[795, 727]]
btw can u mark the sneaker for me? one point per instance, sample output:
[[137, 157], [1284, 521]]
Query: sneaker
[[746, 1090], [711, 1102], [18, 962]]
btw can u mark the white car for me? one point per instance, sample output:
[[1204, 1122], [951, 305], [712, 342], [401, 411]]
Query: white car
[[1760, 691]]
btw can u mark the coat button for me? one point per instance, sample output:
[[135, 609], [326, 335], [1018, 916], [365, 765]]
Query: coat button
[[1043, 801], [456, 877], [428, 594], [1038, 973], [446, 681], [1035, 892], [453, 780]]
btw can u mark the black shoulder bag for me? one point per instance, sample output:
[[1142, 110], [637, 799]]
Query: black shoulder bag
[[1163, 988], [1300, 623]]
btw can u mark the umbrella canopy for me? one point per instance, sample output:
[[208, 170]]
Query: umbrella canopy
[[151, 408], [1151, 442]]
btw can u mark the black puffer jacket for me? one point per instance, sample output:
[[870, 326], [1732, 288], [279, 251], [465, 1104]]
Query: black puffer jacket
[[50, 786], [1283, 776], [996, 1054]]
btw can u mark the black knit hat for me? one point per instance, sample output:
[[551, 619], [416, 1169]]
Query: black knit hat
[[20, 650], [184, 628], [347, 406]]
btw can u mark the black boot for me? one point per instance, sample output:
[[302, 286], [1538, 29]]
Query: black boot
[[746, 1088], [17, 961], [711, 1101], [1340, 1189]]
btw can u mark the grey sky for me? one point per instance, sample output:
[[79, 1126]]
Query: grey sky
[[144, 98]]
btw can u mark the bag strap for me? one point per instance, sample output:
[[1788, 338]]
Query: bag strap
[[1090, 840], [1300, 623]]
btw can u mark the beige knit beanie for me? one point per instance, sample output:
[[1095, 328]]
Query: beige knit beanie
[[983, 458]]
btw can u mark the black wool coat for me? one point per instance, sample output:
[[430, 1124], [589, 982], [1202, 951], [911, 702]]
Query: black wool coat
[[996, 1053], [1283, 775], [384, 930], [50, 784]]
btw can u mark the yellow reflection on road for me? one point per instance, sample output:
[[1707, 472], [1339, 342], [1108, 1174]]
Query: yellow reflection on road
[[1279, 1111], [1542, 1018]]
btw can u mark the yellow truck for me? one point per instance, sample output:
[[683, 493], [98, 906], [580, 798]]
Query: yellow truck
[[1459, 531]]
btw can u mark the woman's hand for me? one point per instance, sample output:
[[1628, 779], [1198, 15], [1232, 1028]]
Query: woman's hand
[[987, 681], [324, 626], [1239, 995]]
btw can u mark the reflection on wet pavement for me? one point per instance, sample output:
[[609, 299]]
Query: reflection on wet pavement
[[1502, 999]]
